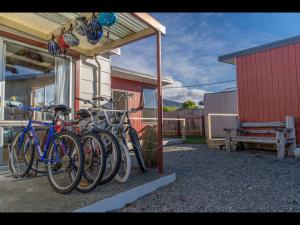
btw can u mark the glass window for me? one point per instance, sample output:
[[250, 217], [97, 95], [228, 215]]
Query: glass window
[[150, 103], [122, 104], [32, 77]]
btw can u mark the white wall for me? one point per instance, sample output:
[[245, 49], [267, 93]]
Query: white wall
[[95, 77], [222, 102]]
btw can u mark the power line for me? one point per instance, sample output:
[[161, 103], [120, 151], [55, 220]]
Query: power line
[[200, 85]]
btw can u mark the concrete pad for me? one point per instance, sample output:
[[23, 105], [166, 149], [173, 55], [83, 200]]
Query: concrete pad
[[36, 195], [120, 200]]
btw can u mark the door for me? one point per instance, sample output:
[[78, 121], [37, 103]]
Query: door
[[1, 99]]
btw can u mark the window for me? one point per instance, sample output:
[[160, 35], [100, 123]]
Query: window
[[41, 96], [34, 77], [121, 105], [31, 77], [150, 103]]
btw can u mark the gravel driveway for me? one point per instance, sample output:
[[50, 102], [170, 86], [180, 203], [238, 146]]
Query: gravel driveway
[[217, 181]]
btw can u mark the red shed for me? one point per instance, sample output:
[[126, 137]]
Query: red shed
[[141, 85], [268, 81]]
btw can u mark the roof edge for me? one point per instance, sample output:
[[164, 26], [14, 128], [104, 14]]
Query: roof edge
[[230, 58]]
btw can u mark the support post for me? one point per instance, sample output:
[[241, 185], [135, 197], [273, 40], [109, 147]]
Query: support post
[[280, 144], [159, 103], [183, 132], [203, 125], [290, 123]]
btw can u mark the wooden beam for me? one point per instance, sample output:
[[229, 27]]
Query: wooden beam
[[122, 41], [21, 27], [24, 59], [149, 20]]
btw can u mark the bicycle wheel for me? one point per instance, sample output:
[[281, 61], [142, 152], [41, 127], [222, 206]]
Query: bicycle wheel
[[137, 148], [94, 165], [21, 154], [65, 162], [125, 168], [113, 155]]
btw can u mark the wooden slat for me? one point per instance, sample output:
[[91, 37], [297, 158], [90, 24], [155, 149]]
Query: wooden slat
[[23, 28], [57, 31], [260, 131], [267, 140], [262, 124], [24, 59]]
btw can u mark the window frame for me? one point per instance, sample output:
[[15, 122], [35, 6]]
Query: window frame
[[143, 99]]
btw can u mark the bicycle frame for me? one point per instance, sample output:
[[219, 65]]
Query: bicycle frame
[[50, 136]]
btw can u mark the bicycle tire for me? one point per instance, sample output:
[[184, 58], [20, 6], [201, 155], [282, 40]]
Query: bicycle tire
[[125, 155], [94, 182], [80, 167], [137, 148], [28, 163], [106, 178]]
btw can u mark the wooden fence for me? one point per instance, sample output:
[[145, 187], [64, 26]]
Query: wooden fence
[[194, 123]]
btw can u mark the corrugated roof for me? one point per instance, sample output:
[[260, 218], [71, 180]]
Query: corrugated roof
[[230, 58], [42, 25]]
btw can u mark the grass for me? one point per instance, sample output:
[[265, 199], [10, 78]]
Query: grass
[[195, 140]]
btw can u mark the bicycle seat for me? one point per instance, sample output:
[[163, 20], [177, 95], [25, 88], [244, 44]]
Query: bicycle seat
[[83, 113], [61, 108]]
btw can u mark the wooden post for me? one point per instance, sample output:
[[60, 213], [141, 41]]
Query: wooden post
[[183, 129], [280, 144], [159, 103], [203, 125], [178, 127], [228, 141], [290, 123]]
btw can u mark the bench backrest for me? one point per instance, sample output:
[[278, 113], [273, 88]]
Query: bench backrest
[[263, 124]]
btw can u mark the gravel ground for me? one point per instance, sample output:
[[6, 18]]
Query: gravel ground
[[217, 181]]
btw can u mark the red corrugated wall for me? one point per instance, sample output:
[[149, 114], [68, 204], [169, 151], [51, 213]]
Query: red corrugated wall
[[269, 85], [134, 102]]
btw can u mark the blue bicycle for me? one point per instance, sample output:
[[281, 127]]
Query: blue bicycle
[[61, 152]]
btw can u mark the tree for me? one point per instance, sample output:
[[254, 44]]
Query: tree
[[189, 105], [169, 108]]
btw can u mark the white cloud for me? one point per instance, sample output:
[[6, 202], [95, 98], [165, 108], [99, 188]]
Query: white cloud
[[182, 94], [190, 51]]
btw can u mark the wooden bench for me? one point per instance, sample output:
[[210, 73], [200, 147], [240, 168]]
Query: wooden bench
[[281, 133]]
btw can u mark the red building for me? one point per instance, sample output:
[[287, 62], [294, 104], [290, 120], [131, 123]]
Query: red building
[[143, 88], [268, 81]]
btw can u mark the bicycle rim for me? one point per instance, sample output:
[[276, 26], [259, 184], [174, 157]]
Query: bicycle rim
[[125, 168], [94, 165], [113, 155], [21, 154], [65, 162]]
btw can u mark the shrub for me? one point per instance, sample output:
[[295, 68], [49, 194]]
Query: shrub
[[169, 108], [150, 146]]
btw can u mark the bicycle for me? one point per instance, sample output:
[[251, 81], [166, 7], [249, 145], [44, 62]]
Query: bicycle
[[95, 154], [119, 130], [112, 146], [62, 152], [133, 134]]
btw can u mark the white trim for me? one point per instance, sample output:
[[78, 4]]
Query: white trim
[[120, 200], [209, 121]]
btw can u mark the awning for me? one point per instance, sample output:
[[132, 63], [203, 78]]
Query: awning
[[129, 27]]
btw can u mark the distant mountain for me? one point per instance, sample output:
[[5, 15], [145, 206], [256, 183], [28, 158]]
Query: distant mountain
[[167, 102]]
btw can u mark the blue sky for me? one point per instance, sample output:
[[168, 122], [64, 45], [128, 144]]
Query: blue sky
[[194, 41]]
